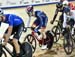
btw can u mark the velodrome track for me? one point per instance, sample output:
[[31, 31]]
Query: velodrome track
[[49, 10]]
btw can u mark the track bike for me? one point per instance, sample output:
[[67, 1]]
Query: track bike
[[68, 39], [32, 38], [25, 49]]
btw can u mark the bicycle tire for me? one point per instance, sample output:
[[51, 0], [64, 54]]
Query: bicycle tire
[[49, 39], [27, 48], [27, 39], [55, 30], [68, 43], [3, 53]]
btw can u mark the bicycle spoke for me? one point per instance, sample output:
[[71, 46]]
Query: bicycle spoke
[[68, 44], [31, 41], [28, 39], [3, 54], [33, 47]]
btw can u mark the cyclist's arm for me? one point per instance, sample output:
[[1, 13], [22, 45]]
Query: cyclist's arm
[[8, 34], [56, 13], [28, 22]]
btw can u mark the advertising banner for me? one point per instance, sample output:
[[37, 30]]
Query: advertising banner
[[11, 3]]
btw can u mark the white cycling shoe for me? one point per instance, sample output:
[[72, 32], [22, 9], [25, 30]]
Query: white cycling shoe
[[44, 47]]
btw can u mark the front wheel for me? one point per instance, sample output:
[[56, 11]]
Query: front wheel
[[27, 48], [68, 43], [56, 31], [29, 38], [3, 54]]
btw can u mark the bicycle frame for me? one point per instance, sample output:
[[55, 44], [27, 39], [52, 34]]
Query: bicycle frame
[[59, 24], [8, 50], [1, 48], [40, 41]]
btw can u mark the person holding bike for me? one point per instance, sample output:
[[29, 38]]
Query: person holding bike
[[59, 8], [69, 13], [72, 7], [15, 28], [39, 23]]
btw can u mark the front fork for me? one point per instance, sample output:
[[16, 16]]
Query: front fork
[[0, 48]]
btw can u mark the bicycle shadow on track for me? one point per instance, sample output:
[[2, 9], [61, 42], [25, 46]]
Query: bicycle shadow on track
[[48, 53]]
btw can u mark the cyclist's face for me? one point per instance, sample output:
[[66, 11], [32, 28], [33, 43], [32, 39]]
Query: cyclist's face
[[1, 18], [30, 13]]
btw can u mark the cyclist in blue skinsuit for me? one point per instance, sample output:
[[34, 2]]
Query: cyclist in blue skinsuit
[[40, 22], [15, 28]]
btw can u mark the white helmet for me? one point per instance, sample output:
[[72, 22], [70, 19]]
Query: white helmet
[[65, 3], [1, 12], [29, 8]]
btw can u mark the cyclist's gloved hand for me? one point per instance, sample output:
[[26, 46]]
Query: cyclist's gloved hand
[[63, 31], [51, 21], [35, 30], [32, 28]]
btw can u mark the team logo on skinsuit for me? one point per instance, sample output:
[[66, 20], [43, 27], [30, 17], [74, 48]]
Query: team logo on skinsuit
[[21, 31]]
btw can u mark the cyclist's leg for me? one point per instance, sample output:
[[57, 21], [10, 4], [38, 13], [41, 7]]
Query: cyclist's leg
[[43, 28], [16, 37], [64, 23], [44, 46], [45, 20], [73, 30], [61, 18], [34, 25], [43, 32], [72, 25], [73, 16]]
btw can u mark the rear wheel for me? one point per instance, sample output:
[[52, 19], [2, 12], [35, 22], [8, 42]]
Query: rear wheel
[[29, 38], [49, 39]]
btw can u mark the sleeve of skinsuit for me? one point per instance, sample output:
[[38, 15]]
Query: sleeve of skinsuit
[[0, 23], [10, 20], [41, 22], [65, 19], [56, 13]]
